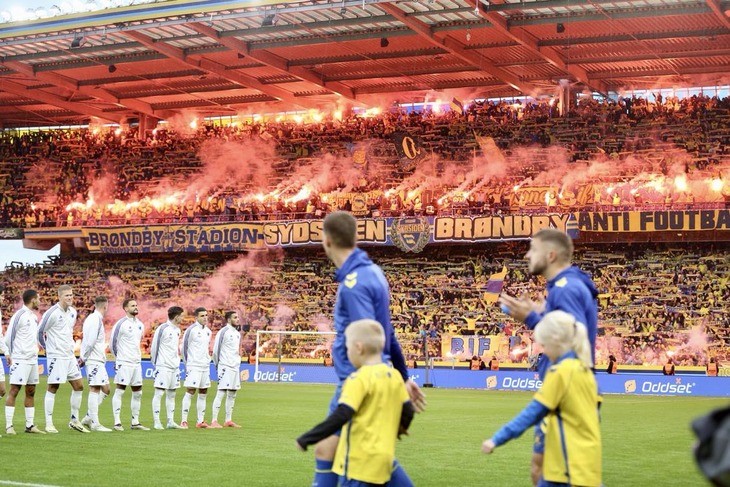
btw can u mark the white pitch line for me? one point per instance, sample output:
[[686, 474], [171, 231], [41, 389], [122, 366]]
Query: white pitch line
[[24, 484]]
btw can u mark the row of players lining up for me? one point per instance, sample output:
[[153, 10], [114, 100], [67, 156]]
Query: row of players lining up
[[55, 335]]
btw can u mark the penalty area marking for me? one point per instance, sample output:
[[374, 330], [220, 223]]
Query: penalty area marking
[[24, 484]]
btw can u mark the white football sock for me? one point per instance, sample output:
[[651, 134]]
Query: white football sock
[[217, 402], [230, 401], [156, 405], [187, 399], [50, 402], [136, 406], [117, 405], [201, 406]]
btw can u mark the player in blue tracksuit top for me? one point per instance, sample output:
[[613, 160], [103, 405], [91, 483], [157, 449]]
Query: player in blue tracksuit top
[[363, 293], [569, 289]]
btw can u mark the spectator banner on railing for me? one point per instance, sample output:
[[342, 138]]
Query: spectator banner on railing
[[174, 238], [654, 221], [410, 234], [466, 346]]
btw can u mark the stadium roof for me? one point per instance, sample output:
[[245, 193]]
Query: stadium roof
[[222, 57]]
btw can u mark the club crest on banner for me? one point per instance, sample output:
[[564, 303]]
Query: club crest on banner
[[359, 205], [410, 234]]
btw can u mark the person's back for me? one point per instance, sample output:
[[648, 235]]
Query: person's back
[[567, 398], [367, 445], [363, 292], [573, 291], [573, 432], [372, 410]]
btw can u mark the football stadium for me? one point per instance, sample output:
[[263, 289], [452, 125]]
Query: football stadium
[[508, 163]]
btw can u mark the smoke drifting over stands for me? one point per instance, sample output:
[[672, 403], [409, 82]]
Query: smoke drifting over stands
[[496, 158]]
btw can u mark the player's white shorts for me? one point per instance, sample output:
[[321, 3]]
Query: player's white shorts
[[167, 378], [128, 375], [23, 374], [229, 379], [96, 374], [2, 372], [61, 370], [197, 378]]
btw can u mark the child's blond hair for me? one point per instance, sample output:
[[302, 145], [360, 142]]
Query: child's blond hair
[[562, 329], [367, 332]]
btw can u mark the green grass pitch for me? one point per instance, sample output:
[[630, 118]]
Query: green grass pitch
[[646, 442]]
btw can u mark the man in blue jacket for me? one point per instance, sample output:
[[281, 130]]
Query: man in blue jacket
[[568, 289], [363, 293]]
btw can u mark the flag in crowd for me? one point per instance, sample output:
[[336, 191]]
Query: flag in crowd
[[457, 105], [494, 286]]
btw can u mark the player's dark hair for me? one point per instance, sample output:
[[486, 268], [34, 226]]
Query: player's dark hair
[[228, 315], [100, 300], [558, 239], [29, 296], [341, 229], [173, 312], [199, 310], [126, 302]]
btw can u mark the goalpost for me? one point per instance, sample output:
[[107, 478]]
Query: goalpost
[[302, 348], [276, 350]]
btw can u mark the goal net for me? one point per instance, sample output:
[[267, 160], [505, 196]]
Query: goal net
[[304, 356], [278, 350]]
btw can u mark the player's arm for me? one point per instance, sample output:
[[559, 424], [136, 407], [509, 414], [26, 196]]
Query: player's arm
[[533, 413], [3, 346], [45, 324], [406, 417], [9, 341], [87, 342], [418, 398], [334, 423], [546, 399], [522, 309], [218, 345], [396, 356], [153, 347], [114, 345], [186, 339]]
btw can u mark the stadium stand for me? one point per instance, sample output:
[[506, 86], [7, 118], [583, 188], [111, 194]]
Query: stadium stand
[[93, 177], [653, 297]]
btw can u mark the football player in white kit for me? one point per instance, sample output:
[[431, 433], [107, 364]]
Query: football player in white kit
[[22, 344], [196, 355], [227, 359], [55, 335], [3, 348], [125, 346], [93, 357], [165, 356]]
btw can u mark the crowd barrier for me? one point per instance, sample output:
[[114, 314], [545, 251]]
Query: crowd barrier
[[631, 383]]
